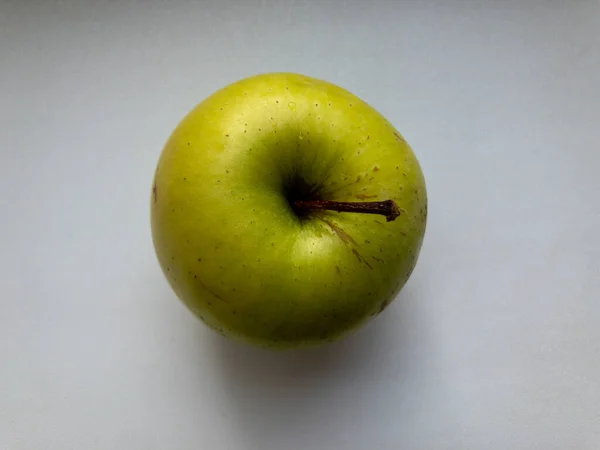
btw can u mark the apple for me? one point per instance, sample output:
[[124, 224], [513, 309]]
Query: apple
[[286, 211]]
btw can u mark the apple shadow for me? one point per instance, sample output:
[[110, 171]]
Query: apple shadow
[[278, 397]]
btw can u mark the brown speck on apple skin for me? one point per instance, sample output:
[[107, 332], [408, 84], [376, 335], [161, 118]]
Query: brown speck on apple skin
[[154, 193], [364, 196], [399, 137], [383, 306]]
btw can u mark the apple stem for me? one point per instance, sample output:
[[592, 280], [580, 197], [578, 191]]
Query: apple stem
[[387, 208]]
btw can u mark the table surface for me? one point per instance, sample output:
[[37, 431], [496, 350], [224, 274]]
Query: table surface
[[493, 344]]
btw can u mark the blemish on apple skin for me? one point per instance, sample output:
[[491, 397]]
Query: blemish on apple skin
[[377, 259], [345, 237], [337, 269], [154, 193], [375, 169], [383, 306], [361, 259], [399, 137]]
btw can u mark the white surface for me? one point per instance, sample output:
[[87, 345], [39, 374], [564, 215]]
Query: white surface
[[494, 343]]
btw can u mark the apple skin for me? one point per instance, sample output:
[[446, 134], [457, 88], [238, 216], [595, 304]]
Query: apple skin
[[231, 246]]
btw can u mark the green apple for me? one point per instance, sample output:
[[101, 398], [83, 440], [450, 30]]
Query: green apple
[[286, 211]]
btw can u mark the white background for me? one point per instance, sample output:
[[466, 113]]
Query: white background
[[493, 344]]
